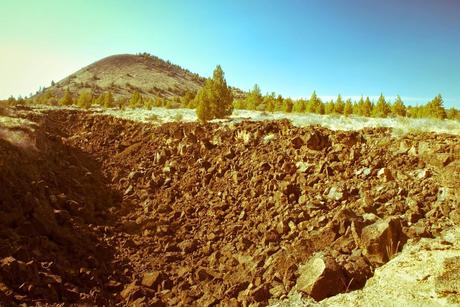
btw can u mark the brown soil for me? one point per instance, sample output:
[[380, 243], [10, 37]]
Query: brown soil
[[99, 210]]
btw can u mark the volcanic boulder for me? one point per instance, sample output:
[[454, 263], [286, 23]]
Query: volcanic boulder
[[321, 277], [381, 240]]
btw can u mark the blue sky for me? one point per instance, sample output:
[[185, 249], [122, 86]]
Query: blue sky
[[354, 47]]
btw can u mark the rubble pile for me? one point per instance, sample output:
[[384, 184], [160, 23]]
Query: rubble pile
[[109, 211]]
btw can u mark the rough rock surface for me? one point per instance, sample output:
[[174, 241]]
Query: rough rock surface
[[425, 273], [320, 277], [381, 240], [102, 211]]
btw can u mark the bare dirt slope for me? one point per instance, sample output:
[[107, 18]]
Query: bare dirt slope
[[100, 210]]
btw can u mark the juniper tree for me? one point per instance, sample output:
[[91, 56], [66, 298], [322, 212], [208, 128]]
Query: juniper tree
[[314, 104], [270, 102], [254, 99], [136, 100], [85, 99], [288, 104], [398, 108], [367, 107], [453, 114], [215, 99], [329, 107], [348, 109], [381, 109], [67, 99], [435, 108], [108, 100], [299, 106], [339, 105]]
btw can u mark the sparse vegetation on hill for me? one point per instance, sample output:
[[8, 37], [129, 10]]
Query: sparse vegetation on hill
[[122, 75]]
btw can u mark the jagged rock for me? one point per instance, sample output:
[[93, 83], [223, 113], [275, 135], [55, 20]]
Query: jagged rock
[[151, 279], [317, 141], [18, 272], [261, 293], [320, 277], [336, 193], [385, 174], [131, 291], [303, 167], [381, 240], [342, 220], [422, 174], [297, 142]]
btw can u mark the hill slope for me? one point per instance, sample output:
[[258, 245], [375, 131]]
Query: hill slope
[[125, 73]]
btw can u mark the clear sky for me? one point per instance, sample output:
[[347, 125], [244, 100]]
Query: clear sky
[[292, 47]]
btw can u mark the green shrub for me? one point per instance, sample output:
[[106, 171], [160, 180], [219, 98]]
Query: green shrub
[[215, 99]]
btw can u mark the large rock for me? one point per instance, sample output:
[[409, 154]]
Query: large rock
[[381, 240], [321, 277], [151, 279], [317, 141]]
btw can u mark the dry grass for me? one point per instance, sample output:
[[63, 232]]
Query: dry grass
[[243, 136], [392, 249]]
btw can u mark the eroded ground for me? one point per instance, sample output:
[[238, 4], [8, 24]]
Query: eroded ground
[[100, 210]]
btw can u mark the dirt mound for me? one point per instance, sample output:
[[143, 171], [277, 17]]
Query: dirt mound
[[194, 214]]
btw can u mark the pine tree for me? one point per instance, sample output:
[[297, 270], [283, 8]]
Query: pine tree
[[453, 114], [339, 105], [381, 109], [215, 99], [288, 104], [320, 108], [66, 100], [367, 108], [415, 112], [314, 104], [435, 108], [136, 100], [398, 108], [11, 100], [299, 106], [269, 102], [254, 99], [279, 103], [329, 107], [85, 99], [348, 109], [20, 101], [187, 98], [239, 104], [108, 100], [359, 106]]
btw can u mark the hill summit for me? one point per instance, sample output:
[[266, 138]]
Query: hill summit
[[127, 73]]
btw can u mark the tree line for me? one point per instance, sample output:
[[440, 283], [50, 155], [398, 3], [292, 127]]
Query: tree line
[[363, 107], [215, 100]]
